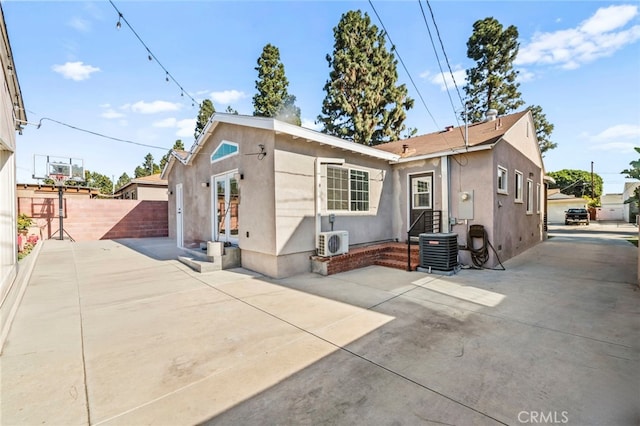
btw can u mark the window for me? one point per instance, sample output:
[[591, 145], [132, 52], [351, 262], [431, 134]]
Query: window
[[421, 192], [502, 180], [539, 194], [347, 189], [518, 187], [224, 150], [529, 196]]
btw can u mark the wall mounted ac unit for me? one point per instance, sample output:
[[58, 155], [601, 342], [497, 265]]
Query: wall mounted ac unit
[[333, 243]]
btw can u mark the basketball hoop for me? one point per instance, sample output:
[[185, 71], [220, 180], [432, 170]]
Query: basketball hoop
[[58, 179]]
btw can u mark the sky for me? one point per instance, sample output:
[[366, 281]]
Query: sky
[[579, 60]]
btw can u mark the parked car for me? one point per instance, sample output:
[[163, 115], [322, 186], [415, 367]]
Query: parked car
[[576, 216]]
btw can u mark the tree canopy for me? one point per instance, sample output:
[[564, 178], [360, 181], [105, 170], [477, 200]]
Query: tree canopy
[[633, 172], [206, 111], [273, 98], [100, 181], [122, 180], [147, 168], [363, 101], [178, 145], [577, 183], [543, 129], [492, 84]]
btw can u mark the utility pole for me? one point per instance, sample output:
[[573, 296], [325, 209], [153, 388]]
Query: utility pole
[[592, 180]]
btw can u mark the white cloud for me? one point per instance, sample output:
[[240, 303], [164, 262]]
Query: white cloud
[[619, 147], [154, 107], [621, 131], [80, 24], [185, 128], [440, 79], [525, 75], [111, 114], [227, 96], [599, 36], [77, 71]]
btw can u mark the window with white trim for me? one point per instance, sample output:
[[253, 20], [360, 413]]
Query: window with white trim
[[347, 189], [518, 187], [226, 149], [502, 180], [529, 196], [539, 195]]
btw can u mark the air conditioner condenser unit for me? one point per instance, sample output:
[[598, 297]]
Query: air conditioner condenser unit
[[333, 243]]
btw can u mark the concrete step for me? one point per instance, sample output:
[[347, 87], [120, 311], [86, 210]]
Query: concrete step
[[199, 265], [396, 264]]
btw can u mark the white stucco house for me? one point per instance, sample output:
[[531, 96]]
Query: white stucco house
[[12, 117], [273, 189]]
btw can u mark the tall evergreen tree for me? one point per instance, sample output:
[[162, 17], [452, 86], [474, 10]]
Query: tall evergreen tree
[[543, 129], [206, 111], [147, 168], [100, 181], [178, 145], [492, 84], [363, 102], [122, 180], [273, 98]]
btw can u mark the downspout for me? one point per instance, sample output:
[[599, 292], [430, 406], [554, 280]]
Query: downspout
[[446, 196], [318, 189]]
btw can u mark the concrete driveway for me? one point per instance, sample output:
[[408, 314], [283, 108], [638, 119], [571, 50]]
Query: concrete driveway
[[118, 332]]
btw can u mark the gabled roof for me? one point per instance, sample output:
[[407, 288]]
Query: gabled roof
[[279, 127], [152, 180], [452, 140]]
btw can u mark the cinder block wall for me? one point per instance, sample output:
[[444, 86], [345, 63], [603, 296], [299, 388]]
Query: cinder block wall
[[86, 219]]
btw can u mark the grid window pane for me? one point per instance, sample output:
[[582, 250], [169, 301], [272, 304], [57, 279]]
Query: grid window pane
[[359, 190], [337, 188]]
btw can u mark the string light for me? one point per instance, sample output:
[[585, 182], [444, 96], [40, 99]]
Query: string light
[[150, 55]]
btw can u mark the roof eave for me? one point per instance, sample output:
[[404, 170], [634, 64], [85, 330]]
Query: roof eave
[[460, 150]]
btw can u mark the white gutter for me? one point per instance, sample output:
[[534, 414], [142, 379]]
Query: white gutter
[[318, 183], [442, 153]]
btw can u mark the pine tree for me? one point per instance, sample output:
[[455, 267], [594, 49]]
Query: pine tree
[[543, 129], [178, 145], [147, 168], [123, 180], [273, 99], [206, 111], [363, 102], [491, 84]]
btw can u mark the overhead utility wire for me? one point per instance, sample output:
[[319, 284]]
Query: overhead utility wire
[[393, 47], [100, 134], [151, 56], [444, 52], [435, 51]]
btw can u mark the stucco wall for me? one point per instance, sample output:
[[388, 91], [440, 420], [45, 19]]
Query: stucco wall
[[152, 193]]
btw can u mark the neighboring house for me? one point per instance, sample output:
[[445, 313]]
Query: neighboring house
[[558, 203], [272, 188], [151, 188], [611, 207], [12, 117], [630, 210]]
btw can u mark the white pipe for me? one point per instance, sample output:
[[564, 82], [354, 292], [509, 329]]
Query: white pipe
[[444, 164], [318, 183]]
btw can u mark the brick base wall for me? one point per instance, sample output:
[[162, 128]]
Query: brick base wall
[[86, 219]]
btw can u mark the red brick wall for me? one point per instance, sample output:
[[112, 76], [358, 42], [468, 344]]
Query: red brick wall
[[86, 219]]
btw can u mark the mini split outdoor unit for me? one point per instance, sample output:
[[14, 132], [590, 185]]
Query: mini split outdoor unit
[[438, 251], [333, 243]]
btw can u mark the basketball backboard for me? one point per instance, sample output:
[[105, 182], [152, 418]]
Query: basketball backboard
[[45, 166]]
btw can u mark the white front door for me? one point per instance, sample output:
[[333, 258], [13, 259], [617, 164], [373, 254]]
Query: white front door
[[225, 197], [179, 213]]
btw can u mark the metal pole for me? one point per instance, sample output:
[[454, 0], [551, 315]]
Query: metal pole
[[60, 212], [592, 180]]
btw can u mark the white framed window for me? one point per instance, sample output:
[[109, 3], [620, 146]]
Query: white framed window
[[421, 192], [226, 149], [539, 195], [347, 189], [502, 180], [529, 196], [518, 187]]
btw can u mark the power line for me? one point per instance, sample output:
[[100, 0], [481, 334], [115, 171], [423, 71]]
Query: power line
[[393, 48], [99, 134], [151, 55]]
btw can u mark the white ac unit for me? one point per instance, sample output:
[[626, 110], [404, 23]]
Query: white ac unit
[[333, 243]]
